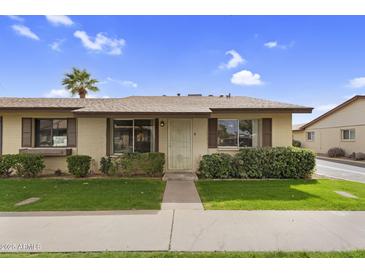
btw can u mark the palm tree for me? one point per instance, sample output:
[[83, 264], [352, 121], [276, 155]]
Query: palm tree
[[79, 82]]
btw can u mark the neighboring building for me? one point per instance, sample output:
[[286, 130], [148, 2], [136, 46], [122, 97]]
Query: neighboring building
[[343, 126], [297, 133], [183, 127]]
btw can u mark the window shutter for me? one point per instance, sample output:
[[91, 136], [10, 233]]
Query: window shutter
[[267, 132], [71, 132], [1, 135], [27, 132], [157, 128], [108, 137], [212, 132]]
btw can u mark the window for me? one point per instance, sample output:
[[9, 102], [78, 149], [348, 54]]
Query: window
[[133, 136], [51, 132], [348, 134], [238, 133], [310, 135]]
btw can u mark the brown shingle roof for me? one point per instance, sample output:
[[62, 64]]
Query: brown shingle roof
[[151, 104]]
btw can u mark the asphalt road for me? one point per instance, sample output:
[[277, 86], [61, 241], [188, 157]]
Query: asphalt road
[[340, 171]]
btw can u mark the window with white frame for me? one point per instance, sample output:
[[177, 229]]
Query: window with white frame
[[310, 136], [348, 134], [133, 135], [237, 133]]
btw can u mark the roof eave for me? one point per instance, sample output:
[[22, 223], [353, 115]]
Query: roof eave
[[267, 110]]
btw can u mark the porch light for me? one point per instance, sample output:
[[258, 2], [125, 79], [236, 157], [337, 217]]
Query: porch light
[[162, 123]]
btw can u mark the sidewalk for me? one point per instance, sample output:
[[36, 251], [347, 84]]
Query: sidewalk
[[184, 230]]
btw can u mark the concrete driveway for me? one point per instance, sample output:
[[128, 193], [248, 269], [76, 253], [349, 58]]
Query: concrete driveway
[[340, 171], [182, 230]]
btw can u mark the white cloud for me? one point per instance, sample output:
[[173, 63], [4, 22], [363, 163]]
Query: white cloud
[[357, 82], [275, 44], [347, 97], [246, 78], [101, 43], [58, 20], [125, 83], [56, 45], [25, 31], [16, 18], [271, 44], [326, 107], [236, 60], [62, 93], [58, 93]]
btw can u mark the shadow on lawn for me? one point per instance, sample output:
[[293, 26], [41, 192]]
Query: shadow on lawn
[[274, 190]]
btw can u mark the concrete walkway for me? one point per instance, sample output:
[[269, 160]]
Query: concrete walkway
[[181, 193], [183, 230]]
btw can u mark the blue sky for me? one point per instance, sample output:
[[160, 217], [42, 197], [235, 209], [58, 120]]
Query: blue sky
[[317, 61]]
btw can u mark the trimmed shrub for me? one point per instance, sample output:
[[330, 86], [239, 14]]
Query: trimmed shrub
[[79, 165], [296, 143], [258, 163], [106, 165], [335, 152], [217, 165], [29, 165], [131, 164], [7, 164]]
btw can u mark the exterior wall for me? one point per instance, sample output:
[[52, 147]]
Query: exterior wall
[[281, 133], [281, 128], [91, 135], [298, 135], [328, 130], [12, 133], [91, 139]]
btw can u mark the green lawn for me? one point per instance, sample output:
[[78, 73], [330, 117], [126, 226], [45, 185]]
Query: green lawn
[[275, 254], [281, 194], [81, 194]]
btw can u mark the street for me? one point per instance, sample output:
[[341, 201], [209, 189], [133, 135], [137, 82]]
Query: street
[[340, 171]]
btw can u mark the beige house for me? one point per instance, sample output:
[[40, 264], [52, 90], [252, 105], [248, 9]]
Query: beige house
[[183, 127], [343, 126]]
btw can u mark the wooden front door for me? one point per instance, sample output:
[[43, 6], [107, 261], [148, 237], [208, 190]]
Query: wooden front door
[[180, 149]]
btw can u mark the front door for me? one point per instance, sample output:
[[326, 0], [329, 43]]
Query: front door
[[180, 144]]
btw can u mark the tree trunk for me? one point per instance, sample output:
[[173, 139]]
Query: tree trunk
[[82, 93]]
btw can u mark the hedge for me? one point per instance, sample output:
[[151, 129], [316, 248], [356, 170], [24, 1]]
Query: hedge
[[24, 165], [258, 163], [217, 165], [129, 164], [79, 165]]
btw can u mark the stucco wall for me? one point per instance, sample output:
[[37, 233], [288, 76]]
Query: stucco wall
[[91, 139], [328, 130], [12, 133], [91, 135], [281, 127], [281, 133], [298, 135]]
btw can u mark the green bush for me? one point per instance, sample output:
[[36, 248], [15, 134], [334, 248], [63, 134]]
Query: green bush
[[296, 143], [217, 165], [79, 165], [257, 163], [29, 165], [129, 164], [7, 164], [106, 165]]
